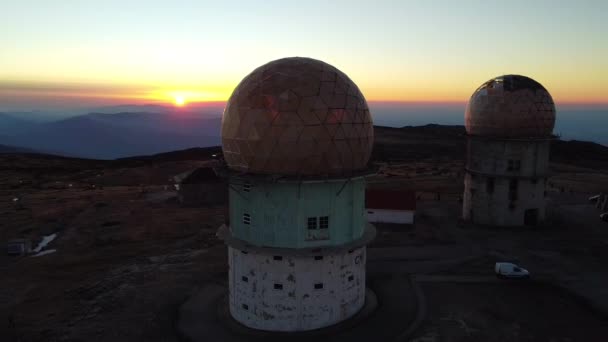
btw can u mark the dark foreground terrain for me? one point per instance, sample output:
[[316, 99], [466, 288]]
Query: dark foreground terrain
[[127, 254]]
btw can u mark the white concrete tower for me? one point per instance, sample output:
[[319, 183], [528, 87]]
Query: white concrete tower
[[297, 136], [509, 122]]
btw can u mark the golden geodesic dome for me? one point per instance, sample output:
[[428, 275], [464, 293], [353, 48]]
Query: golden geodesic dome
[[510, 106], [297, 116]]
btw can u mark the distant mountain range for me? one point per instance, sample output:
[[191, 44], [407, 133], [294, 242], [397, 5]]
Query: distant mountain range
[[132, 130], [13, 149], [110, 136]]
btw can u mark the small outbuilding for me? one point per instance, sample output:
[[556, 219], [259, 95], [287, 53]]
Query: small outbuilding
[[19, 247], [390, 206], [201, 186]]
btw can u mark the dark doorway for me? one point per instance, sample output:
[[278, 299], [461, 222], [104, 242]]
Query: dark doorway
[[531, 217]]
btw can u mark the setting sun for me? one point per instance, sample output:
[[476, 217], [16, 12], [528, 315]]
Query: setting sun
[[180, 100]]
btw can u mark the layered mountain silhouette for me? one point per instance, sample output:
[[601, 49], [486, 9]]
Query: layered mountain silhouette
[[109, 136]]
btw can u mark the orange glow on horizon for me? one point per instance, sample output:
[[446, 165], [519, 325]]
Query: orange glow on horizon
[[375, 93]]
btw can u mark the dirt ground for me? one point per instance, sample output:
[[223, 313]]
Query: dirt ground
[[128, 254], [506, 311]]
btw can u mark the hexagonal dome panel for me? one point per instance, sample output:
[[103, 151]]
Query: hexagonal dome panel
[[297, 116], [510, 106]]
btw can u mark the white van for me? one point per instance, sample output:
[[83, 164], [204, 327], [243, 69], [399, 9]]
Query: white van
[[507, 270]]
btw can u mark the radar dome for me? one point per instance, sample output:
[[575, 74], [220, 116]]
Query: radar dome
[[297, 116], [510, 106]]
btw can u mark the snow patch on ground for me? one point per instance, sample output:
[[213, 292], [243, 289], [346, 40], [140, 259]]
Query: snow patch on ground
[[48, 251], [45, 241]]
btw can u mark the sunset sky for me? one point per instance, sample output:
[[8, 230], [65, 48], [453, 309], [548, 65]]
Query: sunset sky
[[76, 53]]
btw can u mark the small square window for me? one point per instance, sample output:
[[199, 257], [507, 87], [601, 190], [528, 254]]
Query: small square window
[[246, 218], [277, 257], [244, 252], [350, 251], [245, 279], [247, 187], [312, 223], [324, 222], [318, 286], [351, 278], [245, 306], [318, 257], [278, 286]]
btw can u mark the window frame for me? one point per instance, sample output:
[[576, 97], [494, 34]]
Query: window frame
[[312, 223], [323, 222], [247, 219]]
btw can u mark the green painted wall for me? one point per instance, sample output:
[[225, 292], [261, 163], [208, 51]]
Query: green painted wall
[[279, 212]]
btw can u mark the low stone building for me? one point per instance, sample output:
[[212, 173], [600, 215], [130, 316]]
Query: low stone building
[[201, 187]]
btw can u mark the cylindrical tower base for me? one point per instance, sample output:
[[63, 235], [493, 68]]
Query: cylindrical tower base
[[281, 289]]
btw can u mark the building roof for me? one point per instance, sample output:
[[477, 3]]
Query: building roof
[[200, 175], [510, 106], [390, 199], [297, 117]]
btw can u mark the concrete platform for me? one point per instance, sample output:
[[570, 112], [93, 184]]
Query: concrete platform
[[390, 308]]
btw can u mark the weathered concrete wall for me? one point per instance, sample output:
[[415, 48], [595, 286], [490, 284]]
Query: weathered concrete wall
[[496, 208], [492, 157], [279, 211], [504, 180], [295, 293], [390, 216]]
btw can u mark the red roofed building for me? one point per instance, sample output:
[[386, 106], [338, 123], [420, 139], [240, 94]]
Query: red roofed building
[[390, 206]]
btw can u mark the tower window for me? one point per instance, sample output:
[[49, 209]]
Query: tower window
[[278, 286], [513, 165], [318, 257], [513, 189], [245, 279], [247, 187], [490, 185], [312, 223], [318, 286], [245, 306], [351, 278], [277, 257], [246, 218], [324, 222]]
